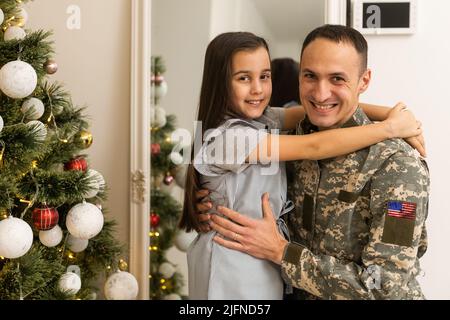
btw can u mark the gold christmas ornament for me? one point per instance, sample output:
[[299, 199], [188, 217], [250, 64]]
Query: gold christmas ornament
[[167, 285], [7, 23], [86, 138], [3, 213], [2, 151], [123, 265], [28, 202], [17, 22], [50, 66]]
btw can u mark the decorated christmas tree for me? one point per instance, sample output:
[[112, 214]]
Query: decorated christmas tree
[[55, 242], [166, 168]]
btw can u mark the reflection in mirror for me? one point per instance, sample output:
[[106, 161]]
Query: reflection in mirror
[[180, 33]]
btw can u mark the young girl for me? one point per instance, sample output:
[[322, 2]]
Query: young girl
[[236, 89]]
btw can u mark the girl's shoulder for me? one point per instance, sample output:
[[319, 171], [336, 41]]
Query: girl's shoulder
[[233, 127], [272, 117], [225, 148], [241, 123]]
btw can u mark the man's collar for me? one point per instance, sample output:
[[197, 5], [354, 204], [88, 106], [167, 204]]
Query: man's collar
[[358, 118]]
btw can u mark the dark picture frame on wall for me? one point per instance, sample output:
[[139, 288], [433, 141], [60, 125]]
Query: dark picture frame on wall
[[384, 16]]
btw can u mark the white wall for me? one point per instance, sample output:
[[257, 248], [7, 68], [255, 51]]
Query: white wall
[[95, 69], [286, 48], [252, 20], [237, 15], [415, 69], [225, 16], [180, 33], [285, 24]]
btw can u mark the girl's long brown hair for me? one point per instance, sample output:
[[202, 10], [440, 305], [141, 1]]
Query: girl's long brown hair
[[215, 103]]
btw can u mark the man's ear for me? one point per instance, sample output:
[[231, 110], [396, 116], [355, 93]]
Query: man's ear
[[365, 80]]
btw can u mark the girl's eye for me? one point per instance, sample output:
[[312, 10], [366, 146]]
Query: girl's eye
[[265, 77], [244, 78]]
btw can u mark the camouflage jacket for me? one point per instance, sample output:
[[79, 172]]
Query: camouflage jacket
[[358, 229]]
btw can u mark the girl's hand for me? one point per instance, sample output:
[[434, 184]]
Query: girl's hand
[[402, 124], [202, 209], [417, 143]]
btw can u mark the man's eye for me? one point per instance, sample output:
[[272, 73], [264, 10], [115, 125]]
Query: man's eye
[[338, 79], [308, 76]]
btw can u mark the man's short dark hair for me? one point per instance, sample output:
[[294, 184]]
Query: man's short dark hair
[[339, 33]]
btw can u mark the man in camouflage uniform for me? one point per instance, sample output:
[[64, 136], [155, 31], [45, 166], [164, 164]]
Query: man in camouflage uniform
[[358, 229]]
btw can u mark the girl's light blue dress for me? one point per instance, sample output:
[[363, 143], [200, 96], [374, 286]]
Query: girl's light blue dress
[[216, 272]]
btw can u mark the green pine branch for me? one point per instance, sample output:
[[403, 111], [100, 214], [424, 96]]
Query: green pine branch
[[34, 49], [157, 65], [10, 8]]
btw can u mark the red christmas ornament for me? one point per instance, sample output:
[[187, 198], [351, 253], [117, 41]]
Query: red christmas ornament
[[45, 218], [78, 163], [168, 180], [159, 79], [154, 220], [156, 149]]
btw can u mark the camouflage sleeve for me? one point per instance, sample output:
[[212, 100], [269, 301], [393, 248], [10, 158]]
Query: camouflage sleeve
[[389, 261]]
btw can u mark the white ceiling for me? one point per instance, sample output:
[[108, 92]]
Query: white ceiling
[[289, 18]]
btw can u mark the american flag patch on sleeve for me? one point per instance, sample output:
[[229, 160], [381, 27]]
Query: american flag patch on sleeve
[[402, 209]]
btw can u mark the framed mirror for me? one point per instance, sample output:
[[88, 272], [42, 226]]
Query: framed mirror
[[180, 32]]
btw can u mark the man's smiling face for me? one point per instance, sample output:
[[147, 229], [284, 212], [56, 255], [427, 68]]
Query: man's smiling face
[[331, 81]]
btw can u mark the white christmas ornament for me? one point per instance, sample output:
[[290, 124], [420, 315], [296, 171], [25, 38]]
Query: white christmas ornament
[[14, 33], [18, 79], [24, 15], [97, 183], [16, 237], [39, 129], [152, 114], [158, 117], [84, 221], [92, 191], [2, 16], [69, 282], [98, 177], [94, 186], [51, 238], [166, 269], [184, 239], [1, 123], [172, 296], [161, 90], [37, 107], [121, 286], [76, 244], [176, 158]]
